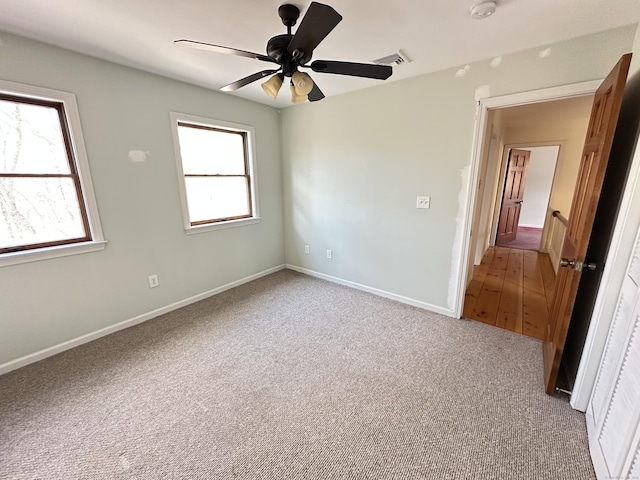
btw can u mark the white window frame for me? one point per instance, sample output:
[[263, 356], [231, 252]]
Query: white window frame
[[97, 242], [251, 166]]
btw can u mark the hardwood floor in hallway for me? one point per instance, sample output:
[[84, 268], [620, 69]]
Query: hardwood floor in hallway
[[512, 289]]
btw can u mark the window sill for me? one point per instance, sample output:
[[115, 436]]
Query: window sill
[[15, 258], [222, 225]]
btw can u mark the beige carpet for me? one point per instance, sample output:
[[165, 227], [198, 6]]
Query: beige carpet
[[292, 377]]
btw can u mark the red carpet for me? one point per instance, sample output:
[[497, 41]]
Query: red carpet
[[527, 239]]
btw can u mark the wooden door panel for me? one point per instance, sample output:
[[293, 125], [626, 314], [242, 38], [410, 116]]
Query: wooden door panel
[[515, 191], [508, 188], [566, 289], [579, 197], [600, 108], [509, 219], [602, 125]]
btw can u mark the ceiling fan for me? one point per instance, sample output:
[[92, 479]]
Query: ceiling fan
[[293, 51]]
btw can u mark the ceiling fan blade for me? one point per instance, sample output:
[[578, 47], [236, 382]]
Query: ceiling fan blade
[[247, 80], [317, 23], [315, 94], [367, 70], [218, 49]]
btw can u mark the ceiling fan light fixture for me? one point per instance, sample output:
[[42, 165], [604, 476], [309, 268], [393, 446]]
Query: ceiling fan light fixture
[[482, 10], [272, 86], [293, 50], [302, 82], [295, 97]]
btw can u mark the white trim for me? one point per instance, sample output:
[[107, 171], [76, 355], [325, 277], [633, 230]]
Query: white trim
[[82, 164], [526, 225], [550, 143], [544, 95], [222, 225], [80, 157], [61, 347], [14, 258], [251, 163], [463, 270], [374, 291], [525, 98]]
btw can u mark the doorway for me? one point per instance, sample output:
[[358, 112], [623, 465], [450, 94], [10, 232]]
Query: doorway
[[601, 141], [532, 198], [510, 284]]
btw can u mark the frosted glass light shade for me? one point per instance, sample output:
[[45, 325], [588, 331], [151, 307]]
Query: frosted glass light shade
[[295, 98], [272, 86], [302, 82]]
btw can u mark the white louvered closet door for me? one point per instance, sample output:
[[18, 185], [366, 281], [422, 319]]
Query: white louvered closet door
[[613, 414]]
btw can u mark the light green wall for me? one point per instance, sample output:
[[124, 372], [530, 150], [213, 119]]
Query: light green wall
[[354, 163], [48, 302]]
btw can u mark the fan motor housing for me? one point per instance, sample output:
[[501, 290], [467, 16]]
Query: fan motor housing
[[277, 48]]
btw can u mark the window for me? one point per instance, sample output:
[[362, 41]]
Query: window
[[47, 207], [217, 173]]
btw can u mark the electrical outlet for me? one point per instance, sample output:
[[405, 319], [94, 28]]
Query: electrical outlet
[[423, 202], [153, 281], [329, 254], [306, 249]]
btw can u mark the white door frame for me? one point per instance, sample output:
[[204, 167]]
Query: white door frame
[[482, 113]]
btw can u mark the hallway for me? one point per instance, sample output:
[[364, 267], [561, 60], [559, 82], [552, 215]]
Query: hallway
[[512, 289]]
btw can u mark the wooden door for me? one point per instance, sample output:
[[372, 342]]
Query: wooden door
[[595, 156], [512, 196]]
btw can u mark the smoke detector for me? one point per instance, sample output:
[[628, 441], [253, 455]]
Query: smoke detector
[[482, 10], [394, 59]]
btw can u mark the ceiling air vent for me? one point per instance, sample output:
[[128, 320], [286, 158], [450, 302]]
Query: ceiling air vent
[[394, 59]]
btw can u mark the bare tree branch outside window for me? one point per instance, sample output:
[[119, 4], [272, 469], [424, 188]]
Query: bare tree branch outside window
[[40, 198]]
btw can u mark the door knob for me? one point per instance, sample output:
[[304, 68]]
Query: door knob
[[565, 262], [578, 266], [519, 202]]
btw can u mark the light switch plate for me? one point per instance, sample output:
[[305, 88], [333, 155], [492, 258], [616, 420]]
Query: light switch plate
[[423, 202], [153, 281]]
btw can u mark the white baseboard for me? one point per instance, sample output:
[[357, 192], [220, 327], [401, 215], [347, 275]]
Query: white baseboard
[[526, 225], [61, 347], [375, 291]]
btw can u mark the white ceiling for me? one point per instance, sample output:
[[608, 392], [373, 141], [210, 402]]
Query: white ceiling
[[434, 34]]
